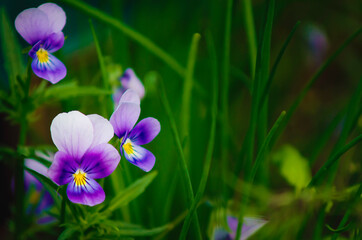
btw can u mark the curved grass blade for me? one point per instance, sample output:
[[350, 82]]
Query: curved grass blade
[[187, 92], [326, 166], [250, 176], [183, 165], [211, 143], [136, 36], [310, 83]]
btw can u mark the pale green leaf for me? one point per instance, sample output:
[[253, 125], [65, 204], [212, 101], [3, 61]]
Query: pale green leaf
[[293, 166]]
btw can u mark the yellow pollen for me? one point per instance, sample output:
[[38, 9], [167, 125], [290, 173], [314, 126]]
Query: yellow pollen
[[42, 55], [127, 146], [80, 178]]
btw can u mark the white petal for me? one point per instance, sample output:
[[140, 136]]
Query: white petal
[[72, 133], [102, 129]]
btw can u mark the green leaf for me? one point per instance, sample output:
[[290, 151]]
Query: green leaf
[[70, 90], [67, 234], [49, 184], [13, 63], [131, 192], [293, 166]]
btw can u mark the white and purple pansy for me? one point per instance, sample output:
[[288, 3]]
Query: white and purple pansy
[[84, 155], [123, 120], [42, 28], [250, 226], [129, 80]]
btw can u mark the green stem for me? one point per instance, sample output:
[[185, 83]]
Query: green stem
[[142, 40], [183, 165]]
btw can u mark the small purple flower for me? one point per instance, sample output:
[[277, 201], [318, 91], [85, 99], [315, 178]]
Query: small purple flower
[[40, 199], [129, 80], [42, 28], [250, 226], [84, 155], [123, 119]]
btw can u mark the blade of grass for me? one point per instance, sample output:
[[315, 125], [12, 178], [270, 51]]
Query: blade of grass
[[261, 71], [136, 36], [327, 165], [348, 212], [310, 83], [250, 176], [187, 93], [105, 79], [242, 77], [211, 143], [266, 88], [225, 92], [250, 33], [183, 165]]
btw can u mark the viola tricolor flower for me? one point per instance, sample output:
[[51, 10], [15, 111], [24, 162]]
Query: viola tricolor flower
[[129, 80], [84, 155], [42, 28], [250, 226], [123, 119], [39, 198]]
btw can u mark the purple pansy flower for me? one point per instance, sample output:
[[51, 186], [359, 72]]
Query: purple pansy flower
[[123, 119], [40, 199], [42, 28], [129, 80], [250, 226], [84, 155]]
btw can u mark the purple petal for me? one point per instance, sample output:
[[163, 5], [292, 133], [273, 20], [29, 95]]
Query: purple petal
[[33, 25], [52, 70], [36, 166], [102, 129], [250, 226], [130, 96], [221, 234], [139, 156], [54, 42], [56, 16], [72, 133], [62, 169], [100, 161], [89, 194], [129, 80], [124, 117], [145, 131], [116, 96]]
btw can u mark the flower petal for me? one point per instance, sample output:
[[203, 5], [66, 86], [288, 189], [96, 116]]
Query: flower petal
[[129, 80], [124, 117], [62, 169], [72, 133], [100, 161], [54, 42], [89, 194], [130, 96], [56, 16], [140, 157], [33, 25], [145, 131], [250, 226], [52, 70], [36, 166], [102, 129]]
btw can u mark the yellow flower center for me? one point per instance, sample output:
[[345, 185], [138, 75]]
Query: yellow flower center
[[128, 148], [42, 55], [80, 178]]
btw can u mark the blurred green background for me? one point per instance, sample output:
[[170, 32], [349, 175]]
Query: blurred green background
[[325, 25]]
